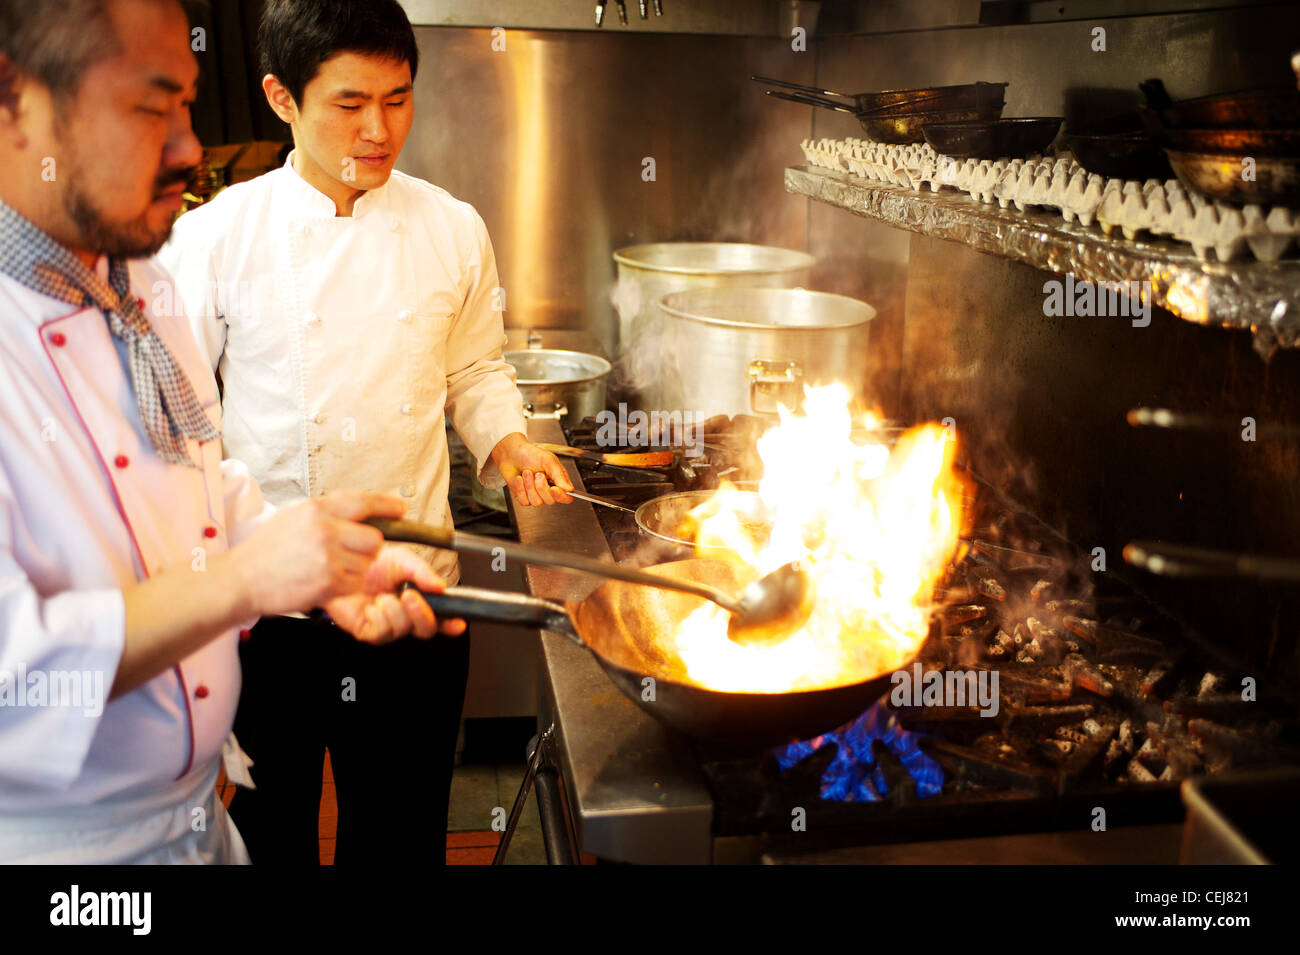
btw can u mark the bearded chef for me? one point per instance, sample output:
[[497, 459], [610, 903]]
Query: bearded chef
[[347, 307], [130, 552]]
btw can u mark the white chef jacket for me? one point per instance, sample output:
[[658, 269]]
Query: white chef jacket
[[87, 508], [340, 340]]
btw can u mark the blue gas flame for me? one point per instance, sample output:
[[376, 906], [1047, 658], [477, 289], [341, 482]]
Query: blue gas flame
[[853, 775]]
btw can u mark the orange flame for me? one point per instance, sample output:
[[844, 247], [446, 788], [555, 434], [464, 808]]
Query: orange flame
[[875, 527]]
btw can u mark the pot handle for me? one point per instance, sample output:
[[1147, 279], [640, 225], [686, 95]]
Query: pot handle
[[772, 382], [495, 606], [556, 410]]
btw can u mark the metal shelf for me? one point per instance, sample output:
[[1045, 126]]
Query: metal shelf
[[1261, 297]]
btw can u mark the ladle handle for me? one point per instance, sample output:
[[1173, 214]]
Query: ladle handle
[[415, 532]]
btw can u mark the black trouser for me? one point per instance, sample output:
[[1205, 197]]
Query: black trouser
[[388, 714]]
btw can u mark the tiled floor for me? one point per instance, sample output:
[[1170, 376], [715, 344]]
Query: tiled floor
[[480, 795]]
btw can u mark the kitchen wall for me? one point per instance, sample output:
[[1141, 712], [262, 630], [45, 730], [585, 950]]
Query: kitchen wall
[[551, 140]]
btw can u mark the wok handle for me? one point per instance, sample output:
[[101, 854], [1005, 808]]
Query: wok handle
[[1156, 95], [800, 88], [808, 100], [494, 606], [1182, 560]]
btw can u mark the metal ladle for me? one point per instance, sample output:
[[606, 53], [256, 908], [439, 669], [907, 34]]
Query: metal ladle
[[767, 611]]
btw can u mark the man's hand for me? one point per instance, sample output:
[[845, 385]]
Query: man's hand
[[535, 477], [310, 554], [378, 614], [316, 554]]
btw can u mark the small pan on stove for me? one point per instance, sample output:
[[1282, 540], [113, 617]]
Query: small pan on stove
[[628, 628], [666, 517]]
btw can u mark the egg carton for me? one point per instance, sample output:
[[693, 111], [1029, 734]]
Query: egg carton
[[1153, 207]]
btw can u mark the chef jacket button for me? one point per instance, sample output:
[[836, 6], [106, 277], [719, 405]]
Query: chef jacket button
[[209, 532], [245, 633], [121, 461], [405, 315], [319, 418], [200, 692], [408, 491], [408, 408], [58, 339]]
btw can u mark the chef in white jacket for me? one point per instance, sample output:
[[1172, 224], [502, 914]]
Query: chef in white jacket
[[130, 552], [347, 308]]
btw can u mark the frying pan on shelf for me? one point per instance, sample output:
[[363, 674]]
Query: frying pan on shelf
[[993, 139], [924, 97], [901, 125], [1272, 108]]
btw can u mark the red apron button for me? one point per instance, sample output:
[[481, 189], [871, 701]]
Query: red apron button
[[209, 532], [121, 461], [200, 691], [245, 633], [58, 339]]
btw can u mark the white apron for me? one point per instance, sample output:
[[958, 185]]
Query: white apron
[[183, 824]]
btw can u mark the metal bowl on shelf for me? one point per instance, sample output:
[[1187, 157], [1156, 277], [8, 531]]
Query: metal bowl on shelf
[[1215, 175], [993, 139]]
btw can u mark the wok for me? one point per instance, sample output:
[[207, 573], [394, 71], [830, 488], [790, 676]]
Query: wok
[[928, 97], [903, 124], [622, 626], [1217, 175], [993, 139], [1245, 109], [1118, 148]]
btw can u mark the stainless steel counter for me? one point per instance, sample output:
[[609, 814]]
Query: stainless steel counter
[[635, 793]]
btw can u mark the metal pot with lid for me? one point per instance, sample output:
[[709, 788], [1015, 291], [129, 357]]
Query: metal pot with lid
[[745, 350]]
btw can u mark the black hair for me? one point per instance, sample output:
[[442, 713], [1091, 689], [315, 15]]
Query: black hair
[[297, 36], [56, 41]]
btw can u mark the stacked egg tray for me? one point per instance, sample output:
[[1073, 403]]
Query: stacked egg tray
[[1058, 182]]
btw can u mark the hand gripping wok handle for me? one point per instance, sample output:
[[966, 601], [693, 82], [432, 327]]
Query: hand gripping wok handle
[[493, 606]]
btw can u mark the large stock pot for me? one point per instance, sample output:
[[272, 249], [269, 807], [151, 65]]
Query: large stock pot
[[746, 350], [646, 273]]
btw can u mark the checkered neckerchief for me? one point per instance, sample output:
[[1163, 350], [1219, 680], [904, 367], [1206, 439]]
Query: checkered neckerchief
[[168, 406]]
